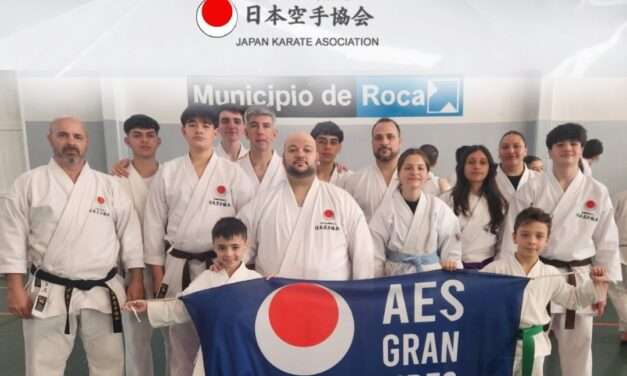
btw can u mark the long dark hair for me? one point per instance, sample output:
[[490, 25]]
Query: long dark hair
[[497, 205]]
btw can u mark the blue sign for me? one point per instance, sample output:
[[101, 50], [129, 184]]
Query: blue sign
[[435, 323], [409, 96]]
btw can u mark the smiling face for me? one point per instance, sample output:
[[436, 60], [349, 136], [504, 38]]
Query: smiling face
[[230, 126], [512, 151], [413, 172], [566, 153], [230, 252], [299, 155], [531, 238]]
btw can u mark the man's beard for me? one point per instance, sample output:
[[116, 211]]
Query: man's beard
[[385, 158], [71, 158], [293, 172]]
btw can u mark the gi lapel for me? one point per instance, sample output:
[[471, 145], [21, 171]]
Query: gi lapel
[[566, 202]]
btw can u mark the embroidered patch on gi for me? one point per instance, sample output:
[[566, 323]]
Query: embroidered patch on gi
[[221, 189], [590, 204], [328, 221], [328, 214], [100, 200]]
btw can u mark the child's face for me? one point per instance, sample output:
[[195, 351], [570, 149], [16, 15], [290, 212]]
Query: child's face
[[230, 252], [531, 238]]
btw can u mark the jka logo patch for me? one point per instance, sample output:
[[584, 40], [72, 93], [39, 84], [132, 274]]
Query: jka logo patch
[[216, 18], [221, 190], [219, 199], [328, 221], [100, 200], [590, 204], [588, 212], [328, 214]]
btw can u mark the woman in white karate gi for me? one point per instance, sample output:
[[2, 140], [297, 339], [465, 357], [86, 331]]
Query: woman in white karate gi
[[414, 231], [479, 206]]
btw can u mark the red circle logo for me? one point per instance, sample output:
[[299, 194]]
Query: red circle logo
[[100, 200], [328, 214], [590, 204], [221, 189], [216, 18]]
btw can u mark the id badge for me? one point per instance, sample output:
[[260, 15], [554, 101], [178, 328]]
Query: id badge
[[41, 301]]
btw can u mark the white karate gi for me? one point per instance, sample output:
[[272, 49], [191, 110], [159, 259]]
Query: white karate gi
[[337, 177], [425, 237], [368, 188], [325, 239], [219, 149], [181, 209], [76, 231], [432, 185], [543, 287], [478, 242], [505, 185], [172, 312], [138, 335], [275, 173], [618, 292], [583, 227]]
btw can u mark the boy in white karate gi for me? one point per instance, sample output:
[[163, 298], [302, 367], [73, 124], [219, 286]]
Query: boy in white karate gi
[[230, 242], [531, 233]]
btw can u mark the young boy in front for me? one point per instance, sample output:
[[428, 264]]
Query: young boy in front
[[532, 228], [230, 244]]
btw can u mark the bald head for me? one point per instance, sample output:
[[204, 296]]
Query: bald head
[[68, 138], [299, 155]]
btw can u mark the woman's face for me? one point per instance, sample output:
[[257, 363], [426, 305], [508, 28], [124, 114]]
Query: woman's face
[[476, 167], [413, 172]]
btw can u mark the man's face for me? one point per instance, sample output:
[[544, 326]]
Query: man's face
[[143, 142], [261, 132], [328, 148], [68, 140], [299, 157], [386, 142], [199, 133], [566, 153], [231, 126], [512, 150]]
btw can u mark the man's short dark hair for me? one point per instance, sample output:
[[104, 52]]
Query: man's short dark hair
[[228, 228], [140, 121], [327, 128], [199, 111], [566, 132], [385, 120], [529, 159], [532, 214], [592, 148], [432, 153], [234, 108]]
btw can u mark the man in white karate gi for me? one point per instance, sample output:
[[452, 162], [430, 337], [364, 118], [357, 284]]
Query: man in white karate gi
[[142, 137], [69, 226], [329, 137], [584, 234], [618, 291], [187, 197], [369, 186], [262, 164], [306, 228], [231, 130]]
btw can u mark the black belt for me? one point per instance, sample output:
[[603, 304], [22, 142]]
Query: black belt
[[568, 265], [84, 285], [477, 265], [206, 257]]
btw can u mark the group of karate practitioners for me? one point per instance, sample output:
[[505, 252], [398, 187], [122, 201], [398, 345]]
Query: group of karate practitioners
[[75, 241]]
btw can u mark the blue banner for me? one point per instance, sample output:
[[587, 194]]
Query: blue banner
[[426, 324]]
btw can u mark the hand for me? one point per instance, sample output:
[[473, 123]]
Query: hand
[[215, 267], [449, 265], [341, 167], [134, 291], [599, 308], [120, 168], [18, 301], [157, 272], [598, 272], [140, 306]]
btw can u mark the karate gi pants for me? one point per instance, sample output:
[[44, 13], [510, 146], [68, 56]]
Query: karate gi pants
[[47, 347], [137, 345], [182, 346], [574, 345], [538, 366]]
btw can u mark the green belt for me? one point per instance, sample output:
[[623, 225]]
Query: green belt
[[528, 348]]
